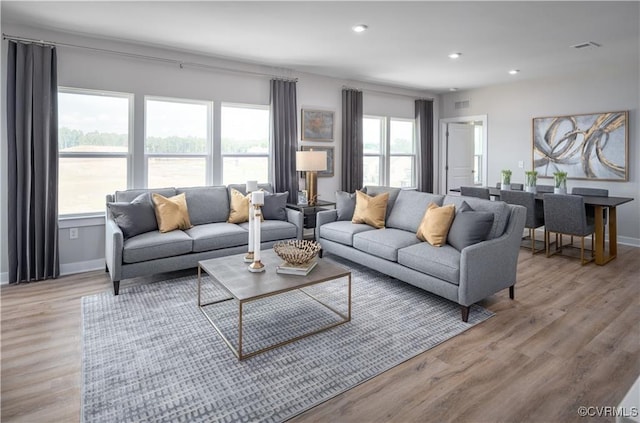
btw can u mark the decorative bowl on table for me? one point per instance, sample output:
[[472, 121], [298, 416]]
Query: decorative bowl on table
[[296, 251]]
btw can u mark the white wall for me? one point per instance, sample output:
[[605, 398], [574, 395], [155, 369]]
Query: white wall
[[511, 108], [81, 68]]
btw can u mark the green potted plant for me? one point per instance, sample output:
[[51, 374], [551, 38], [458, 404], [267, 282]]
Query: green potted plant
[[531, 179], [505, 182], [560, 182]]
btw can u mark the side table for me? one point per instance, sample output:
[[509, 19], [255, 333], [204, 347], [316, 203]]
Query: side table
[[309, 212]]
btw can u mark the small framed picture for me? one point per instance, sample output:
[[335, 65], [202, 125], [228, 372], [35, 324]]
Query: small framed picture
[[302, 198]]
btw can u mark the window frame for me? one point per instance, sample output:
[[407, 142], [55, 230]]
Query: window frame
[[266, 155], [207, 155], [385, 154], [128, 155]]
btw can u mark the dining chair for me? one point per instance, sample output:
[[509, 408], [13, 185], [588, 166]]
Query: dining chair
[[535, 213], [592, 192], [517, 187], [544, 188], [478, 192], [566, 215]]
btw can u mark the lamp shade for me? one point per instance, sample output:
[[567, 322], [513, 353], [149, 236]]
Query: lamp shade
[[311, 160]]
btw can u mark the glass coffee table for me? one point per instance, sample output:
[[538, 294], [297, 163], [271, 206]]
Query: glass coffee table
[[231, 274]]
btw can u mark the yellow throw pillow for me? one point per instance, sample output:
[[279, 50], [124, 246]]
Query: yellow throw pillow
[[171, 213], [239, 207], [436, 223], [370, 210]]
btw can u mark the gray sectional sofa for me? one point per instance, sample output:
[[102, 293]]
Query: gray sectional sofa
[[136, 247], [464, 276]]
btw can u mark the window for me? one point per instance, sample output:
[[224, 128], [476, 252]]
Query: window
[[94, 135], [245, 143], [177, 142], [389, 152]]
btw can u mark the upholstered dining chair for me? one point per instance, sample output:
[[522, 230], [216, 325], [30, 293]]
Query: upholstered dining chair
[[544, 188], [475, 192], [517, 187], [592, 192], [566, 215], [535, 212]]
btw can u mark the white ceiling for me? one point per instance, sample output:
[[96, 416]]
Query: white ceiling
[[406, 45]]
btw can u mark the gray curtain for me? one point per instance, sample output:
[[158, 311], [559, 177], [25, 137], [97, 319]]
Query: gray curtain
[[352, 142], [32, 132], [284, 138], [424, 132]]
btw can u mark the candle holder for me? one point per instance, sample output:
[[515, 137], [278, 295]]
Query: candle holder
[[257, 198], [250, 187]]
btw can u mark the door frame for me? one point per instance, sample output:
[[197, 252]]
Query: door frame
[[444, 147]]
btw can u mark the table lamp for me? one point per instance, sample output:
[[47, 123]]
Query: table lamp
[[311, 162]]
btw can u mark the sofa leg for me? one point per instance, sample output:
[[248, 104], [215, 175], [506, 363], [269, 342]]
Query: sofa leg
[[116, 287], [465, 313], [512, 292], [106, 268]]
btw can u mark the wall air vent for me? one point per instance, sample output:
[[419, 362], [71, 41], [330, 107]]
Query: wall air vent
[[587, 44], [461, 104]]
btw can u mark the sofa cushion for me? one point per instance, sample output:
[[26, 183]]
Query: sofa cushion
[[439, 262], [136, 217], [213, 236], [370, 210], [206, 204], [345, 205], [275, 206], [469, 227], [436, 223], [373, 190], [156, 245], [238, 207], [274, 230], [130, 194], [171, 213], [409, 209], [384, 243], [500, 211], [342, 232]]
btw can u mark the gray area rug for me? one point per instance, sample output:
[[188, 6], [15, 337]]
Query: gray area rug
[[150, 354]]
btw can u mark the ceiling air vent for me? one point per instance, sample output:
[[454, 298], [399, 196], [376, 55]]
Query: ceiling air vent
[[461, 104], [587, 44]]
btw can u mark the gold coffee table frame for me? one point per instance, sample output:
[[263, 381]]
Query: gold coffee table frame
[[231, 274]]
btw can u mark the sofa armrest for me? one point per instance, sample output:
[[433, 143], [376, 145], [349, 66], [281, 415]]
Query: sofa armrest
[[297, 218], [114, 244], [322, 217], [490, 266]]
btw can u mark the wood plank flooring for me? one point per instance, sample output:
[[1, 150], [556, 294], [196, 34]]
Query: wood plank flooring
[[571, 338]]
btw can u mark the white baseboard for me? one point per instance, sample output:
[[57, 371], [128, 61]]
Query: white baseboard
[[81, 266], [4, 278]]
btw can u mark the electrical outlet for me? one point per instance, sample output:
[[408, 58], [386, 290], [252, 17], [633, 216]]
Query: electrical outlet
[[521, 164], [73, 233]]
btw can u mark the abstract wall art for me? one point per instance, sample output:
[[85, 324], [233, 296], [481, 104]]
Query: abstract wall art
[[586, 146]]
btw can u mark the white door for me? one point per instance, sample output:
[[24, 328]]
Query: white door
[[460, 155]]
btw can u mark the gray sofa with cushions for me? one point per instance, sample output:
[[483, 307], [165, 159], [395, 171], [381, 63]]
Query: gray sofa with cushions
[[467, 273], [135, 247]]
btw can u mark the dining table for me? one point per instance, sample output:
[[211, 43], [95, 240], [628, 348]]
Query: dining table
[[602, 256]]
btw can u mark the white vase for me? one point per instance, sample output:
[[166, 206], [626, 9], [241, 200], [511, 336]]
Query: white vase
[[505, 187], [559, 190], [531, 188]]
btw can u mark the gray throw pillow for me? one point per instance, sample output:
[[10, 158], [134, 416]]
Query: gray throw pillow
[[136, 217], [469, 227], [345, 205], [275, 206]]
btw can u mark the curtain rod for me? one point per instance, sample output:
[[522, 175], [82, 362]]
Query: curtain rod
[[179, 63], [387, 93]]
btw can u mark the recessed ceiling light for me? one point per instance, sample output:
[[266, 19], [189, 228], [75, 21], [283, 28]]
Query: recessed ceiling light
[[453, 89], [360, 28], [454, 55], [514, 71]]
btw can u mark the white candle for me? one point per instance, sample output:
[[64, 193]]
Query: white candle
[[256, 236], [252, 186], [257, 198]]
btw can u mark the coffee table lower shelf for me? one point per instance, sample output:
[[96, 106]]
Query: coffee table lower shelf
[[238, 352]]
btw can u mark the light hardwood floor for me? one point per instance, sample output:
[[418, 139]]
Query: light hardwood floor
[[571, 338]]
